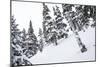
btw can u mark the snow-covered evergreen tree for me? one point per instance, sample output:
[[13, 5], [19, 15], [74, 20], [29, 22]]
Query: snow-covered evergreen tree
[[17, 56], [89, 15], [74, 17], [31, 42], [59, 24], [15, 33], [47, 23], [14, 40]]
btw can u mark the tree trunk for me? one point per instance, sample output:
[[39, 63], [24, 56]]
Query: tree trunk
[[81, 45], [78, 39]]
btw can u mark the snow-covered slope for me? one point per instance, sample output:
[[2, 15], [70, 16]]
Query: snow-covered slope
[[68, 50]]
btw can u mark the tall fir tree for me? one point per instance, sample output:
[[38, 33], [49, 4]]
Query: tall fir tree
[[59, 24], [16, 49], [15, 35], [74, 19], [47, 23], [15, 32], [45, 13], [31, 42]]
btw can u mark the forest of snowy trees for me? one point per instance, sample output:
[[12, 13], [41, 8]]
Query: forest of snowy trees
[[25, 44]]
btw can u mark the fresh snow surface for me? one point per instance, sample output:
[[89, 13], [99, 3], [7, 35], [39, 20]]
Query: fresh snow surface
[[68, 50]]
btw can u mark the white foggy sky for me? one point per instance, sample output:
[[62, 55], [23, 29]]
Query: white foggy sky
[[26, 11]]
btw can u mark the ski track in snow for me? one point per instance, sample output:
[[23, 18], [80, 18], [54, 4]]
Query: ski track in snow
[[68, 50]]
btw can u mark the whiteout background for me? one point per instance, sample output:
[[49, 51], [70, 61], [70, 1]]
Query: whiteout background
[[23, 12], [5, 33]]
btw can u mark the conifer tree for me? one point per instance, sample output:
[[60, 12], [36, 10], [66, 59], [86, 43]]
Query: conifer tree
[[59, 24], [16, 49], [15, 33], [89, 12], [31, 42], [47, 23], [74, 19]]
